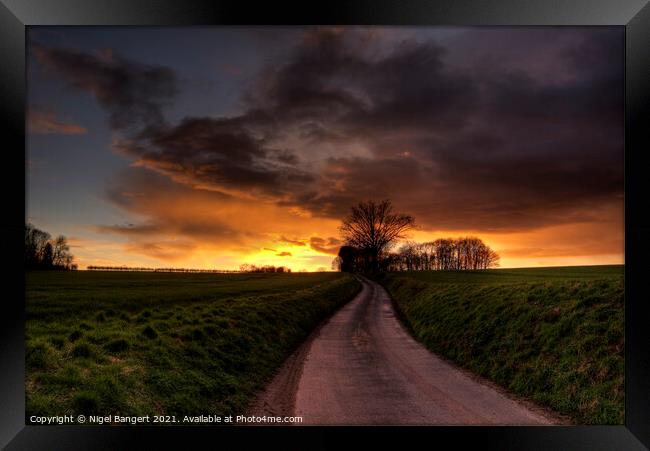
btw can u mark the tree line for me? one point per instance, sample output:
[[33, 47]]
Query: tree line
[[265, 269], [44, 252], [145, 269], [243, 268], [468, 253], [372, 229]]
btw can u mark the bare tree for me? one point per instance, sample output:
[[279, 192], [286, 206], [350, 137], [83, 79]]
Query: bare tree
[[469, 253], [46, 257], [491, 259], [61, 252], [373, 227], [35, 246], [41, 252], [409, 256]]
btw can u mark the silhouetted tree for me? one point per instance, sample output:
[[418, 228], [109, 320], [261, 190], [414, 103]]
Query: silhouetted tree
[[469, 253], [47, 257], [41, 252], [61, 252], [372, 227], [347, 258]]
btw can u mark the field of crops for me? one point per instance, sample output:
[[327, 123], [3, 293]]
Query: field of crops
[[553, 335], [173, 344]]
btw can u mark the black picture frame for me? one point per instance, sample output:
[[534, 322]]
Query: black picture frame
[[634, 15]]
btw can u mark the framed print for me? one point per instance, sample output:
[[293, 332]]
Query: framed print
[[373, 221]]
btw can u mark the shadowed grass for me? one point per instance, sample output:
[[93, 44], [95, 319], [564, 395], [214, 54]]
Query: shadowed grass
[[174, 344], [554, 335]]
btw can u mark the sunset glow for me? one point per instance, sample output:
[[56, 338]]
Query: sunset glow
[[214, 147]]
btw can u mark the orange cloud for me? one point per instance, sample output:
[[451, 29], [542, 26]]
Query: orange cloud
[[330, 245], [169, 251], [533, 168], [579, 243], [46, 122], [206, 229], [295, 242]]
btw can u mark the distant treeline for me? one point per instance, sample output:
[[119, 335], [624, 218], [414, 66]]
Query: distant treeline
[[242, 268], [43, 252], [469, 253], [143, 269], [266, 268]]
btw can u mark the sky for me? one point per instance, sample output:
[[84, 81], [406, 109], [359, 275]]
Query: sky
[[211, 147]]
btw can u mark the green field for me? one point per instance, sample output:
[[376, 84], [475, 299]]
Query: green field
[[174, 344], [552, 335]]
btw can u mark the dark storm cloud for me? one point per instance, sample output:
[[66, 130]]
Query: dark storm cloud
[[498, 193], [219, 154], [286, 157], [358, 178], [598, 56], [486, 144], [209, 153], [504, 151], [332, 87], [132, 93]]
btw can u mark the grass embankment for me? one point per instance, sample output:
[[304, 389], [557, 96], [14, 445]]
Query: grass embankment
[[553, 335], [174, 344]]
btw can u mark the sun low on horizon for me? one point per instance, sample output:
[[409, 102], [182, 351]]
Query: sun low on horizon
[[214, 147]]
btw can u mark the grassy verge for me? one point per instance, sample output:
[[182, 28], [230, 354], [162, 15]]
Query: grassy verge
[[174, 344], [553, 335]]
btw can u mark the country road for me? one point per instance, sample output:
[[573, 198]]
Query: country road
[[362, 367]]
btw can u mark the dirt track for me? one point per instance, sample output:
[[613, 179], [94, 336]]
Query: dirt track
[[362, 367]]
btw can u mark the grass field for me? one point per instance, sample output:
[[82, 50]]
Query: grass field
[[173, 344], [553, 335]]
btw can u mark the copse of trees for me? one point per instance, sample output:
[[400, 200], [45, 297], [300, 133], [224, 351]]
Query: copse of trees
[[458, 254], [372, 229], [43, 252]]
